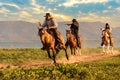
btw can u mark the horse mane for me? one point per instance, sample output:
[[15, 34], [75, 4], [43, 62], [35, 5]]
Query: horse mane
[[45, 36], [71, 35]]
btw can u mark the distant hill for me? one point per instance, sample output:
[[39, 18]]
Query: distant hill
[[19, 31], [88, 30]]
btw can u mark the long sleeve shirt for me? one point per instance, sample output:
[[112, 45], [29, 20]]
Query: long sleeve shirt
[[50, 24]]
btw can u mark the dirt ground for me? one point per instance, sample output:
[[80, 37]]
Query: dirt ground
[[72, 59]]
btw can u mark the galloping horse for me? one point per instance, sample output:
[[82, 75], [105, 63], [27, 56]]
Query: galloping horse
[[72, 42], [49, 43], [107, 43]]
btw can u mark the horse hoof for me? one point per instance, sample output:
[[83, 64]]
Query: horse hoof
[[67, 58], [42, 48], [50, 57], [55, 63]]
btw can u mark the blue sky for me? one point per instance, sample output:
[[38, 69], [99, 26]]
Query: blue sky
[[61, 10]]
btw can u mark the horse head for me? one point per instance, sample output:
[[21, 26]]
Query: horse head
[[41, 31], [68, 32], [105, 33]]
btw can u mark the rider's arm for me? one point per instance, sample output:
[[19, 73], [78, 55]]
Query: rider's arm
[[44, 24], [68, 24], [54, 24]]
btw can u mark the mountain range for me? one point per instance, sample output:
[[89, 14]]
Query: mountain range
[[21, 31]]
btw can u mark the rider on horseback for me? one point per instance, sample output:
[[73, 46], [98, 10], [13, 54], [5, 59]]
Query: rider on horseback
[[75, 30], [108, 29], [52, 28]]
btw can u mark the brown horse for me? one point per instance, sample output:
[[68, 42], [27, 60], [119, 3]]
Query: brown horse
[[48, 42], [106, 42], [72, 42]]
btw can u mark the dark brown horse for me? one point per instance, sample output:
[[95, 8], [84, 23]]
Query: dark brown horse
[[48, 42], [72, 42]]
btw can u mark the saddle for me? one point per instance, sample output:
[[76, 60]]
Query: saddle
[[58, 38]]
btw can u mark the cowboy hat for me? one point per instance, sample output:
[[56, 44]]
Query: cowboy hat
[[74, 20], [47, 14]]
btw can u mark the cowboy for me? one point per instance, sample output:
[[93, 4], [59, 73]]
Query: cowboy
[[51, 26], [75, 30], [108, 29]]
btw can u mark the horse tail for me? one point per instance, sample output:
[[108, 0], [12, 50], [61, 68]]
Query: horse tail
[[80, 41]]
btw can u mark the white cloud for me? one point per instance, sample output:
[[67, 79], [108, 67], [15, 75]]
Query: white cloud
[[109, 7], [37, 11], [105, 11], [51, 1], [55, 9], [93, 17], [24, 14], [61, 17], [70, 3], [118, 9], [34, 3], [113, 19], [49, 9], [10, 4], [33, 20], [118, 1], [4, 10]]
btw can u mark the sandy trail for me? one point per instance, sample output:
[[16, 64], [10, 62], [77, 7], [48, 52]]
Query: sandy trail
[[87, 58], [72, 59]]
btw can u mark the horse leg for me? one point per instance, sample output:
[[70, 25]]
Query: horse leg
[[111, 49], [54, 55], [112, 44], [57, 51], [65, 49], [74, 51], [66, 54], [103, 48], [80, 44], [48, 51], [79, 51], [108, 50], [71, 50]]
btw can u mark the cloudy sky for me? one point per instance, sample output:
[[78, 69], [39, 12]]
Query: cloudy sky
[[61, 10]]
